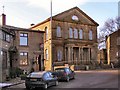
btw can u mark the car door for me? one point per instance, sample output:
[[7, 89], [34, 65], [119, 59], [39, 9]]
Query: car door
[[52, 79], [45, 77], [71, 73], [68, 72]]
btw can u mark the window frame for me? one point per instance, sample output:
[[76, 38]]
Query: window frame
[[59, 55], [81, 34], [46, 33], [58, 32], [6, 36], [90, 35], [25, 36], [75, 33], [70, 33], [23, 55], [4, 59]]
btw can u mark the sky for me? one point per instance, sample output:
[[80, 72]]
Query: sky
[[22, 13]]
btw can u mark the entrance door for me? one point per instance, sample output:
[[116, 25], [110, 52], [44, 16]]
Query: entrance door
[[39, 62], [85, 54]]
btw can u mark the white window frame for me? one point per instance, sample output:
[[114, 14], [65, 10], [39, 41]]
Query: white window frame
[[90, 35], [75, 33], [59, 55], [58, 31], [70, 33], [80, 34], [46, 33], [23, 58]]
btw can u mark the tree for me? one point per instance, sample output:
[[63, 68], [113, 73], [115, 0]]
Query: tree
[[110, 26]]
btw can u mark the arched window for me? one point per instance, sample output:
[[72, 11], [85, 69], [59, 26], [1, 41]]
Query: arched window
[[80, 34], [46, 33], [58, 31], [70, 33], [75, 33], [90, 35], [59, 55]]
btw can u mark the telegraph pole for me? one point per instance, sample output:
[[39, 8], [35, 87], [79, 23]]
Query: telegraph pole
[[52, 68]]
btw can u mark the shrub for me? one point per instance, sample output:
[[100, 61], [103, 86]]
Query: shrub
[[23, 76], [13, 72]]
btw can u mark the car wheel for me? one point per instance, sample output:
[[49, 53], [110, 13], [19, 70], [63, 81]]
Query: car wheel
[[45, 86], [68, 79], [28, 88], [56, 83], [73, 77]]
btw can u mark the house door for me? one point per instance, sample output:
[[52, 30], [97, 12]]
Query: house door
[[85, 55], [39, 62]]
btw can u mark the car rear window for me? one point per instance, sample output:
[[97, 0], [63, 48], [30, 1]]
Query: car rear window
[[59, 70]]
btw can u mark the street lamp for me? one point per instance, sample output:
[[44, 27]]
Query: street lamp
[[51, 32]]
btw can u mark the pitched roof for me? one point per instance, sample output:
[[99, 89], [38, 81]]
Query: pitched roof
[[9, 28], [53, 17]]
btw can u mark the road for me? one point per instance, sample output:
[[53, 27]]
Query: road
[[87, 79]]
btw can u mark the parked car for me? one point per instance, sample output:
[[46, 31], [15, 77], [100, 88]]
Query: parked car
[[64, 74], [42, 79]]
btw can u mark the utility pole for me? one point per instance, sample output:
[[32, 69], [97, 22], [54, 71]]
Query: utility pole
[[52, 67]]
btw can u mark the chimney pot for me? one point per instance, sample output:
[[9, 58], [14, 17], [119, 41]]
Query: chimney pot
[[3, 19]]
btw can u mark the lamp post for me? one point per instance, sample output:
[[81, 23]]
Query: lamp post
[[51, 33]]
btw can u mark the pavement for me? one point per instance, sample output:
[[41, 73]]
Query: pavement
[[11, 82], [18, 80]]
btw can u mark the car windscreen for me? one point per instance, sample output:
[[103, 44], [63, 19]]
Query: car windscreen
[[36, 75]]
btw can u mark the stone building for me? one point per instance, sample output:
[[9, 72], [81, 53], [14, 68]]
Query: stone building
[[21, 48], [6, 41], [70, 39], [113, 47], [102, 56]]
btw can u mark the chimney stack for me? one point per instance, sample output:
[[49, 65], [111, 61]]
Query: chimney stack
[[3, 19]]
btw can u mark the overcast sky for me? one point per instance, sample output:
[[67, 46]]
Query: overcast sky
[[22, 13]]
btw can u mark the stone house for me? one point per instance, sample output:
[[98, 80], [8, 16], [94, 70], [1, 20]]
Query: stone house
[[70, 39], [20, 47], [113, 47], [102, 56], [6, 41]]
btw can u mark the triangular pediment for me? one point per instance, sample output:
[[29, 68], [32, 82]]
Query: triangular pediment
[[75, 15]]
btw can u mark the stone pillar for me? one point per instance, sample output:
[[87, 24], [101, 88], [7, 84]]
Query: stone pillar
[[79, 59], [88, 55], [82, 54], [69, 54], [65, 55], [72, 53]]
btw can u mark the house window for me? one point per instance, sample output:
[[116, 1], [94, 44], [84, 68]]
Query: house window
[[6, 37], [75, 33], [24, 58], [90, 35], [24, 39], [59, 55], [4, 59], [58, 31], [80, 34], [46, 33], [70, 33], [46, 54]]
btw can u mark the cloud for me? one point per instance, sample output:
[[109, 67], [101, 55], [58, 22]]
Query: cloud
[[57, 5]]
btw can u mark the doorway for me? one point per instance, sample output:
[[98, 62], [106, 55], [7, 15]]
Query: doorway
[[41, 63]]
